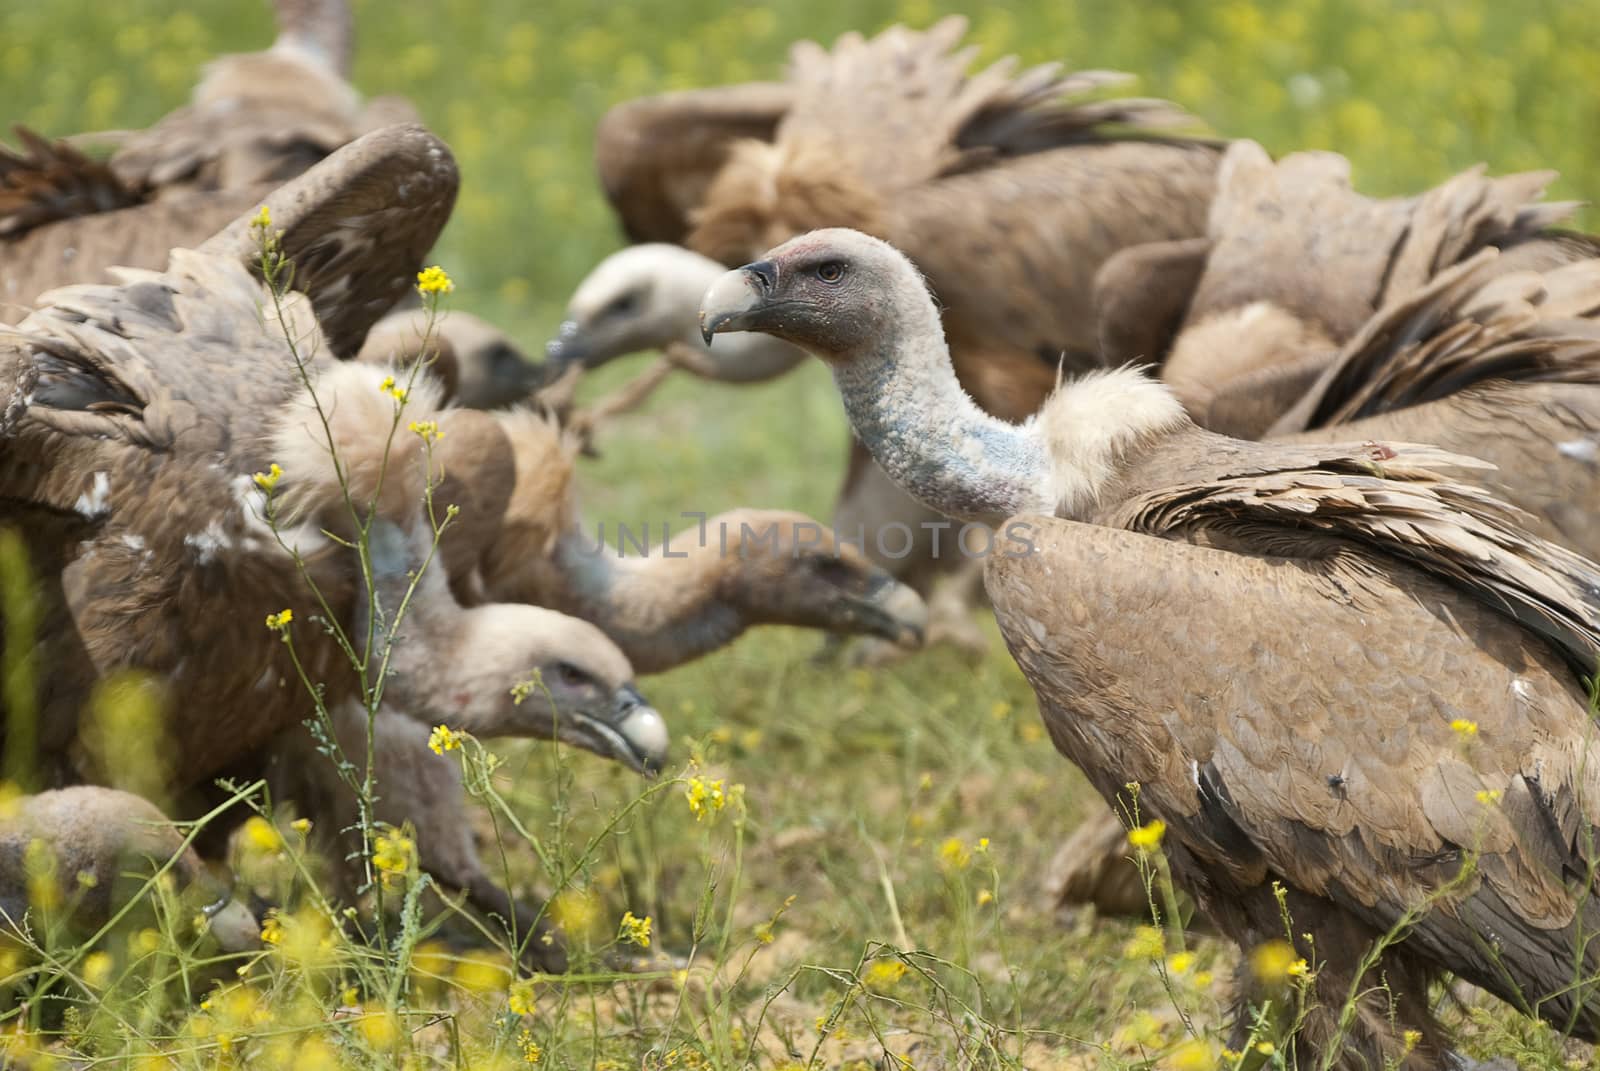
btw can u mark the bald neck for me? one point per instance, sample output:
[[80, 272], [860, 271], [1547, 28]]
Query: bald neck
[[661, 610], [907, 407]]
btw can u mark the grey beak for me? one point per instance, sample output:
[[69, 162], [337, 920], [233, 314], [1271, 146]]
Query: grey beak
[[732, 299], [642, 729], [568, 345], [896, 612]]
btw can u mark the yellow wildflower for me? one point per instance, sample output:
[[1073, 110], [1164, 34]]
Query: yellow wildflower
[[1202, 979], [705, 797], [272, 929], [427, 430], [634, 930], [379, 1028], [1299, 969], [520, 997], [279, 622], [1464, 728], [1147, 837], [983, 844], [1000, 710], [1412, 1039], [577, 911], [883, 975], [953, 855], [1273, 962], [1266, 1048], [1180, 962], [1488, 796], [1147, 942], [763, 932], [531, 1053], [1193, 1055], [301, 826], [442, 739], [394, 854], [146, 942], [97, 969], [985, 897], [434, 280], [268, 480], [262, 836], [399, 394]]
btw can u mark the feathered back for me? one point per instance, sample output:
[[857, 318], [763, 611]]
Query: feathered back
[[1391, 498], [1465, 327], [349, 434], [49, 181], [1295, 234], [874, 115]]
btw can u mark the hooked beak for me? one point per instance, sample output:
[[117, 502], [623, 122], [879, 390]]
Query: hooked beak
[[734, 298], [632, 732], [894, 611], [568, 347]]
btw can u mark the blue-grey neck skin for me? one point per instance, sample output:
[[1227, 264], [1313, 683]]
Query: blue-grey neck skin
[[662, 611], [909, 410]]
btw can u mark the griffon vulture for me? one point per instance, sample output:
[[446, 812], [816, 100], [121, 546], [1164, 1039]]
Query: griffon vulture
[[1328, 668]]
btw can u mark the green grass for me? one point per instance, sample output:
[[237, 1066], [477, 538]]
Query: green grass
[[854, 782]]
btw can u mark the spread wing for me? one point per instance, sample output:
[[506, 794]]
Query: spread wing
[[656, 156], [1468, 326], [48, 181]]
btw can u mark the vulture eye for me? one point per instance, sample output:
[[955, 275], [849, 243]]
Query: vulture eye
[[571, 676], [830, 271], [621, 305]]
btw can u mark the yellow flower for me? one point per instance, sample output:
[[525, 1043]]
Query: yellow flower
[[262, 836], [269, 479], [1273, 963], [1299, 969], [983, 844], [1202, 979], [1147, 942], [428, 430], [1266, 1048], [379, 1028], [520, 997], [301, 826], [705, 797], [576, 911], [883, 975], [1193, 1055], [97, 969], [531, 1052], [279, 622], [272, 929], [985, 897], [388, 387], [1412, 1039], [442, 739], [1180, 963], [434, 280], [393, 853], [953, 855], [1148, 836], [263, 219], [1488, 796], [1464, 728], [634, 930]]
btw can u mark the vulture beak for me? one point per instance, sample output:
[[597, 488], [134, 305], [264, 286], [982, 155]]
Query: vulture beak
[[733, 300], [894, 611], [568, 347], [632, 732]]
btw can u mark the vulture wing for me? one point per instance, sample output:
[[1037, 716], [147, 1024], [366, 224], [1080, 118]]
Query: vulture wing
[[1302, 734], [1295, 234], [49, 181], [658, 155], [1471, 324]]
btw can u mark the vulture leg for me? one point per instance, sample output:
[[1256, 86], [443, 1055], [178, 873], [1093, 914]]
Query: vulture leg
[[1307, 735]]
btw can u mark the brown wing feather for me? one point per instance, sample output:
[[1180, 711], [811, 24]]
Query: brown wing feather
[[1471, 324], [656, 156], [1390, 499], [49, 181]]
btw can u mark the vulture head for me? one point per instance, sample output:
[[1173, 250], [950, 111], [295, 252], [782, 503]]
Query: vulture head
[[832, 292], [479, 365], [785, 568], [644, 298], [639, 298], [517, 670]]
